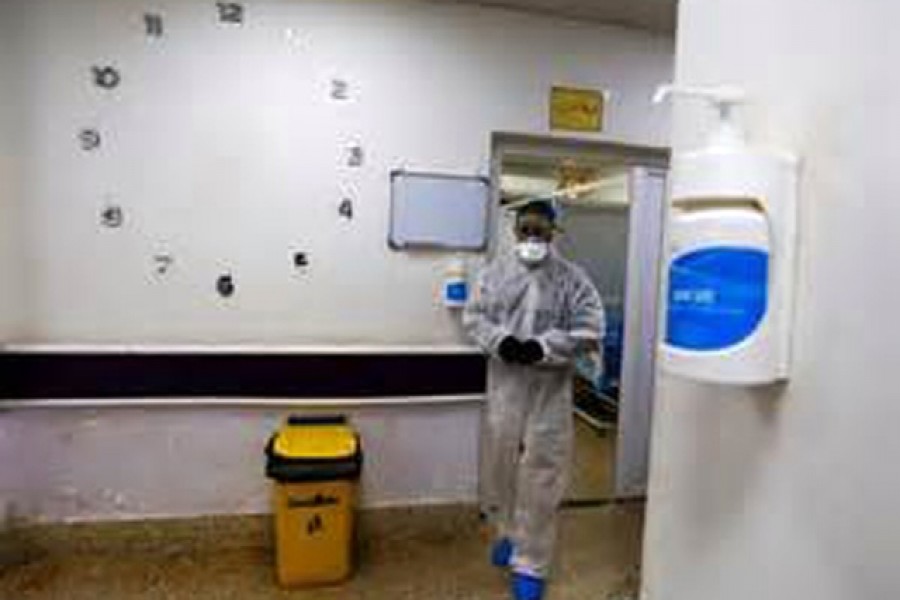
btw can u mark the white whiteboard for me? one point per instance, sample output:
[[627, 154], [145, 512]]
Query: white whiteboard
[[430, 210]]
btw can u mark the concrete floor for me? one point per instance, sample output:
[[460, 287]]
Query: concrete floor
[[438, 556]]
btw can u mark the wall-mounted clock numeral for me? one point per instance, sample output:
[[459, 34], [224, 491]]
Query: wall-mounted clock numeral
[[345, 209], [89, 139], [301, 260], [340, 89], [225, 285], [355, 156], [231, 12], [163, 263], [112, 216], [153, 24], [106, 77]]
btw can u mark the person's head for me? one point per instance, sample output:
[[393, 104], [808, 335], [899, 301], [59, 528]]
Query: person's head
[[536, 220], [534, 229]]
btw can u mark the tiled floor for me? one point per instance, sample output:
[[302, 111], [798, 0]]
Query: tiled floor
[[443, 559], [593, 463]]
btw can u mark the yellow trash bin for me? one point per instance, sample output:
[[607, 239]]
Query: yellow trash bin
[[315, 463]]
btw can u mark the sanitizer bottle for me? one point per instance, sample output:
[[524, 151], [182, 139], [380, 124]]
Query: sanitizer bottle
[[731, 252], [456, 285]]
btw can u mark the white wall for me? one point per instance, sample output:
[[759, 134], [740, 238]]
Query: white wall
[[127, 463], [11, 170], [794, 494], [223, 146]]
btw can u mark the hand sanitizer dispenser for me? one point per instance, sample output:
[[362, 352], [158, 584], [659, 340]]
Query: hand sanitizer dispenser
[[730, 255], [456, 284]]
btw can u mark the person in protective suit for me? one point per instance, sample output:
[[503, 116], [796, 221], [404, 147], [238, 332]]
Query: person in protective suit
[[533, 313]]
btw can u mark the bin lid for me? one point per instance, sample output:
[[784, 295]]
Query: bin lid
[[315, 442]]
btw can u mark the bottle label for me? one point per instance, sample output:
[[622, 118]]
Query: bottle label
[[456, 293], [717, 297]]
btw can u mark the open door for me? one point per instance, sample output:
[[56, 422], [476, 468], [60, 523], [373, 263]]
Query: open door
[[613, 229]]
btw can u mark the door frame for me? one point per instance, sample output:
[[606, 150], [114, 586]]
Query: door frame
[[557, 146], [633, 156], [643, 296]]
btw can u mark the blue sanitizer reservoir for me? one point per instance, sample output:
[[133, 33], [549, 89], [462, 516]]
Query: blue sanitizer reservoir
[[720, 302], [717, 297]]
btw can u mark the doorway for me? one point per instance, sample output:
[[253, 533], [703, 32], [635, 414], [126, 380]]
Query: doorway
[[611, 202]]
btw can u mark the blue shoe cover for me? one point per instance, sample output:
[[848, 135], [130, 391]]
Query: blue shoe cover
[[527, 587], [501, 553]]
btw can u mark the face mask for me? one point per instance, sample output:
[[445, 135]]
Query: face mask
[[532, 251]]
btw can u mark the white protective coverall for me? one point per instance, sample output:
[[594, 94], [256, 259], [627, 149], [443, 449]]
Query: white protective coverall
[[527, 436]]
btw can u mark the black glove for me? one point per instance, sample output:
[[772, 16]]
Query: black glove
[[510, 350], [531, 352]]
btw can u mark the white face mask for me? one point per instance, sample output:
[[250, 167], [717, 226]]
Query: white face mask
[[532, 251]]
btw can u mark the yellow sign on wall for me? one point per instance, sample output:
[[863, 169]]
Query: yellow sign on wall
[[575, 109]]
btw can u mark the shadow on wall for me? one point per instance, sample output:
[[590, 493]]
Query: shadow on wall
[[720, 483]]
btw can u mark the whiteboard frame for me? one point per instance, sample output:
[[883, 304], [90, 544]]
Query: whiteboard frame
[[486, 181]]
